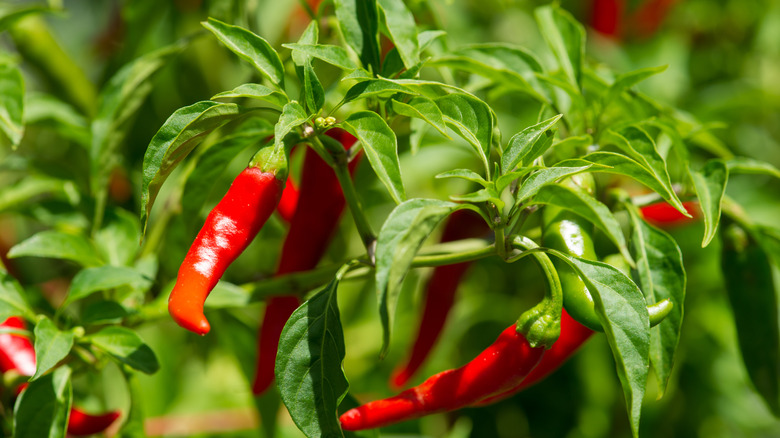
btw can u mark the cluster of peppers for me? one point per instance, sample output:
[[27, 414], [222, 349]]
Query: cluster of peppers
[[506, 367], [17, 355]]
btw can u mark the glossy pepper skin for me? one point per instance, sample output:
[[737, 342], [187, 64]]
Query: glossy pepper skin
[[18, 354], [500, 367], [228, 230], [288, 201], [573, 336], [440, 294], [319, 207]]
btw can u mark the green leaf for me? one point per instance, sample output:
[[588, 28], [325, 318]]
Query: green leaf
[[359, 23], [511, 66], [424, 109], [381, 148], [566, 39], [333, 55], [427, 37], [251, 48], [637, 143], [51, 346], [127, 347], [482, 195], [376, 88], [42, 409], [751, 166], [40, 108], [31, 188], [622, 310], [401, 236], [12, 298], [661, 274], [11, 103], [710, 184], [178, 136], [312, 92], [309, 369], [468, 175], [255, 91], [118, 106], [627, 80], [529, 144], [91, 280], [57, 245], [293, 116], [472, 119], [545, 176], [622, 165], [588, 207], [403, 30], [212, 163], [753, 296], [102, 312]]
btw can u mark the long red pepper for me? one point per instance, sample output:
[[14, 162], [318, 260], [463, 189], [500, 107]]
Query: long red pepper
[[288, 201], [320, 204], [607, 16], [500, 367], [440, 294], [228, 230], [18, 354], [573, 335]]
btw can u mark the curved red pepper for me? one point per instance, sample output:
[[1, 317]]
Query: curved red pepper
[[440, 293], [228, 230], [663, 215], [81, 423], [320, 204], [501, 366], [573, 335]]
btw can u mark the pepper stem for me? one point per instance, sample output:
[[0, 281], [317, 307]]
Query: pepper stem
[[541, 325]]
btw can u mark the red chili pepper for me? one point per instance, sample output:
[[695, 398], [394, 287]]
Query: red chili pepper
[[320, 204], [664, 215], [288, 201], [440, 293], [18, 354], [83, 424], [16, 351], [501, 366], [650, 15], [607, 17], [573, 335], [228, 230]]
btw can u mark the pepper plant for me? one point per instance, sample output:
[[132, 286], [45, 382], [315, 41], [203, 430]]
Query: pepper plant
[[366, 133]]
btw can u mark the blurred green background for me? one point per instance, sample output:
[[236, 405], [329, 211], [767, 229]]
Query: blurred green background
[[724, 65]]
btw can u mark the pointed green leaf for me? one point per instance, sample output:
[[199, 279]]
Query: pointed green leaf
[[751, 166], [753, 296], [31, 189], [127, 347], [529, 144], [376, 88], [424, 109], [312, 92], [628, 80], [254, 91], [710, 184], [178, 136], [661, 274], [91, 280], [12, 298], [622, 310], [293, 115], [401, 236], [251, 48], [543, 177], [51, 346], [566, 39], [468, 175], [381, 148], [359, 23], [403, 30], [333, 55], [42, 409], [309, 369], [471, 118], [57, 245]]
